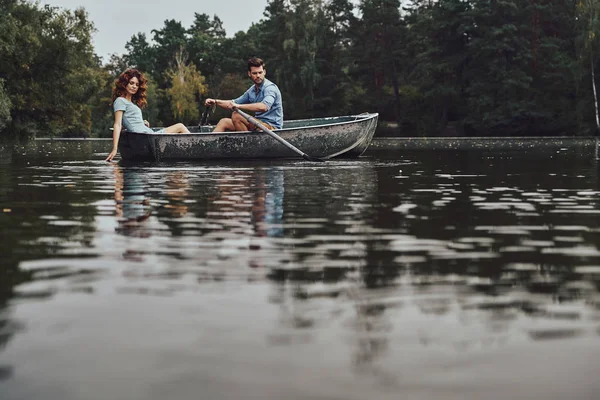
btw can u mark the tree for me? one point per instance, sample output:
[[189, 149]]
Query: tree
[[499, 91], [229, 87], [300, 50], [377, 54], [205, 43], [273, 32], [5, 107], [588, 13], [552, 29], [169, 40], [140, 54], [47, 65], [187, 85], [333, 95]]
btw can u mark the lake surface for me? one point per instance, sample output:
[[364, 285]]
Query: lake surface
[[404, 274]]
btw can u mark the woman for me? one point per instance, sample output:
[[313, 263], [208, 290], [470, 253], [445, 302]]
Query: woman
[[129, 97]]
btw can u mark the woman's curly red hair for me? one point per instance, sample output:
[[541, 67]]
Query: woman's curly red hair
[[121, 84]]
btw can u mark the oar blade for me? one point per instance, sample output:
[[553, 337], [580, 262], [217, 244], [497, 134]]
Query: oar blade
[[310, 158]]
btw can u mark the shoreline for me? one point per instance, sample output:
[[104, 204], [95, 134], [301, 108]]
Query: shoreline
[[464, 143], [441, 143]]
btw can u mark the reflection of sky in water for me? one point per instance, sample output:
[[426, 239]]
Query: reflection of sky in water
[[429, 274]]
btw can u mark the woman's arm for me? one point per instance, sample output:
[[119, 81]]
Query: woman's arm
[[116, 134]]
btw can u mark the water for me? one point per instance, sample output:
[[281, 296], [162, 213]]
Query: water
[[403, 274]]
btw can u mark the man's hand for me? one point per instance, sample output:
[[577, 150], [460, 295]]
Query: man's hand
[[147, 123], [225, 104]]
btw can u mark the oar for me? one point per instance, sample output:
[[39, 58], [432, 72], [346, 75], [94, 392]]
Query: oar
[[204, 118], [275, 136]]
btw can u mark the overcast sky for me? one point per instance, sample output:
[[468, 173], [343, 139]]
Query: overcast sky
[[117, 21]]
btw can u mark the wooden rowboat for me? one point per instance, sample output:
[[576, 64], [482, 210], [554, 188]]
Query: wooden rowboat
[[347, 136]]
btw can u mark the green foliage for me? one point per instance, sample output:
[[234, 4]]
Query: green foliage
[[48, 66], [140, 54], [169, 40], [187, 86], [300, 50], [500, 82], [5, 106], [206, 36], [377, 53], [101, 103], [152, 110], [587, 35], [230, 87], [479, 67]]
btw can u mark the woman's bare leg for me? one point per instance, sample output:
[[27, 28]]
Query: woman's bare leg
[[177, 128]]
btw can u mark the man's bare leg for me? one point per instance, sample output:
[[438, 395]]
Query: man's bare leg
[[240, 123], [224, 125]]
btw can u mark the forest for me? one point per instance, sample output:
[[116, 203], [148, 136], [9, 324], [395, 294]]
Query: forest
[[428, 67]]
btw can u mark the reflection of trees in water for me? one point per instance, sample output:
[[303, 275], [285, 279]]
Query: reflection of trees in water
[[484, 294], [45, 213], [8, 326], [370, 326], [497, 248], [10, 277], [307, 306], [342, 264], [343, 195], [44, 201]]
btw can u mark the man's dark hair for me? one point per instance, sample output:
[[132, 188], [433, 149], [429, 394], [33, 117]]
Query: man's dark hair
[[255, 62]]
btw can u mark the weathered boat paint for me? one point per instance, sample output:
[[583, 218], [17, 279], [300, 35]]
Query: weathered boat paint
[[347, 136]]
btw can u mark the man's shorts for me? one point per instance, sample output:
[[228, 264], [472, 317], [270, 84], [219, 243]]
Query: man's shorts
[[256, 128]]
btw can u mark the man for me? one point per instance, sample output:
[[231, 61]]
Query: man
[[263, 98]]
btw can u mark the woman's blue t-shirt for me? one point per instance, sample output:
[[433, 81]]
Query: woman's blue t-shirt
[[133, 120]]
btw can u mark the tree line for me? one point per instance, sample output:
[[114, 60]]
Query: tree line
[[429, 67]]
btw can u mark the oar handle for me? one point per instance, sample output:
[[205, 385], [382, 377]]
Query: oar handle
[[275, 136], [204, 117]]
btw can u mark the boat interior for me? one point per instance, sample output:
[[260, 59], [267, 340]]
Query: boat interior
[[297, 123]]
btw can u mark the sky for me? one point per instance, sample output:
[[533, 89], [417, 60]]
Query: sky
[[116, 21]]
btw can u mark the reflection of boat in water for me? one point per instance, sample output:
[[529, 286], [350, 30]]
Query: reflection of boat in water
[[132, 203], [131, 195], [347, 136], [133, 206], [249, 200], [176, 194]]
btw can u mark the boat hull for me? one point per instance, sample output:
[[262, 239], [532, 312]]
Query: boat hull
[[324, 138]]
